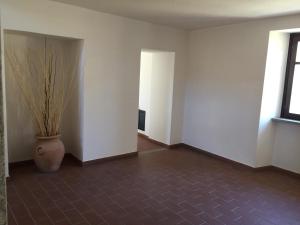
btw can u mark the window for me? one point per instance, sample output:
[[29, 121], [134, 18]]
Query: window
[[291, 96]]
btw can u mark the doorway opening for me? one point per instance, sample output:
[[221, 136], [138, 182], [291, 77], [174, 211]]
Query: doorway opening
[[155, 99]]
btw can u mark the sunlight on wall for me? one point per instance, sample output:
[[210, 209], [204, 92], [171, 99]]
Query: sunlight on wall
[[272, 95]]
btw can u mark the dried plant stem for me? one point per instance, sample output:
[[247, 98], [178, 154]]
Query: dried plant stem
[[42, 84]]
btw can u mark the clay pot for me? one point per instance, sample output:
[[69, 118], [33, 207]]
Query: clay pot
[[49, 153]]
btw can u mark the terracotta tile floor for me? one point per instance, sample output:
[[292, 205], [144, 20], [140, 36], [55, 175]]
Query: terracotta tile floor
[[159, 188], [144, 144]]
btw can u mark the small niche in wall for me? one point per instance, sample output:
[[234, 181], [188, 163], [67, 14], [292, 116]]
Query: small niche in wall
[[20, 127]]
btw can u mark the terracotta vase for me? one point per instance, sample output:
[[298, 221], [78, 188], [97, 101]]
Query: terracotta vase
[[49, 153]]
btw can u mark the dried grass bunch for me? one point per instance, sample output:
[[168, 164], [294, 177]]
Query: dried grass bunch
[[42, 82]]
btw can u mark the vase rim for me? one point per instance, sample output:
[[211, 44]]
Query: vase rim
[[48, 137]]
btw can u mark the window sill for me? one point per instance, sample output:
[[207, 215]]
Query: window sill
[[283, 120]]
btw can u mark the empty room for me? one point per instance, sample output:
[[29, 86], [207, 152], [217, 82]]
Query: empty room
[[150, 112]]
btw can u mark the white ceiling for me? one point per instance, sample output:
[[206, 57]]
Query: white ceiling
[[192, 14]]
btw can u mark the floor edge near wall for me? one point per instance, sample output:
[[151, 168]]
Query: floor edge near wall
[[175, 146], [160, 143], [110, 158], [238, 164], [76, 160]]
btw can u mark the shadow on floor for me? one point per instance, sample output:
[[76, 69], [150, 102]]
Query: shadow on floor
[[144, 144]]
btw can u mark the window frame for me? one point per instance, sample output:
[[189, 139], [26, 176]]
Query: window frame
[[289, 76]]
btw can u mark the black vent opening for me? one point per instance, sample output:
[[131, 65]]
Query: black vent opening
[[142, 119]]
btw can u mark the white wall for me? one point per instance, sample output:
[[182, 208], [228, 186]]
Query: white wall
[[272, 95], [224, 88], [161, 96], [112, 48], [145, 87], [224, 83], [286, 150], [223, 91]]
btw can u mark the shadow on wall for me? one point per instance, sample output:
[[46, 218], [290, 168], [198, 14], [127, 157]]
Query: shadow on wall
[[20, 127]]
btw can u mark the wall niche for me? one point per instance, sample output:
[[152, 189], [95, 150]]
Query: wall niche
[[20, 127]]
